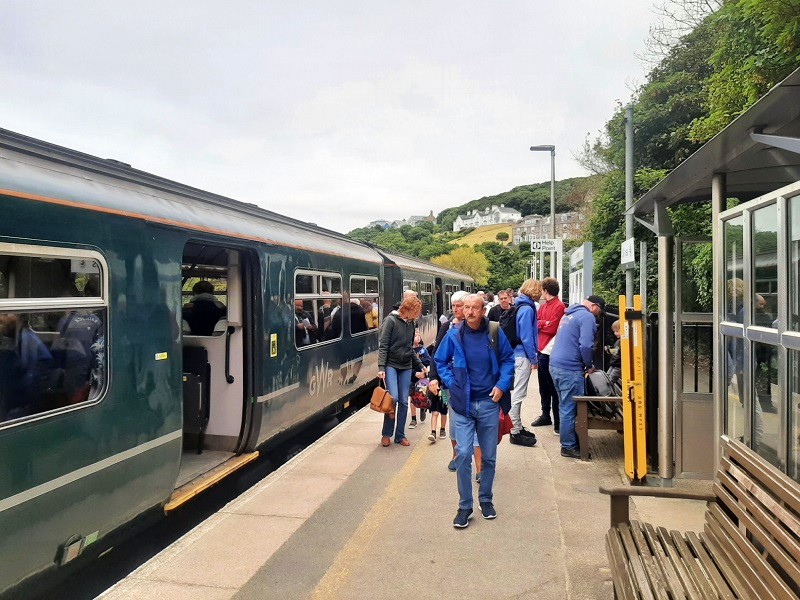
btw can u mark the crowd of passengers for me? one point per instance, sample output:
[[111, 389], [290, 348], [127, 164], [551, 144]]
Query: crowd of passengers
[[327, 323]]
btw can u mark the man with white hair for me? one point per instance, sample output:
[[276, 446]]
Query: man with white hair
[[478, 374]]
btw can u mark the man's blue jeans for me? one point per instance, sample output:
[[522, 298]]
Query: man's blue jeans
[[397, 382], [568, 385], [483, 419]]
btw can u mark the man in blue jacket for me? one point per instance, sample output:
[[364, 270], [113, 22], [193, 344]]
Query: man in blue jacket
[[478, 376], [525, 357], [571, 361]]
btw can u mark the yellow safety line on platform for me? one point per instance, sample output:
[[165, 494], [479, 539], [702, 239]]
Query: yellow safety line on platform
[[330, 584], [189, 490]]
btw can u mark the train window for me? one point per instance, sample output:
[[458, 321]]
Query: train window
[[204, 293], [317, 308], [426, 296], [364, 304], [53, 321], [410, 284]]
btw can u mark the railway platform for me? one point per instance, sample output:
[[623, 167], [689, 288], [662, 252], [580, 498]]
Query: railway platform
[[350, 519]]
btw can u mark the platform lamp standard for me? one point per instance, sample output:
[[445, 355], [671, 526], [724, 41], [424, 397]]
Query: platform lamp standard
[[552, 150]]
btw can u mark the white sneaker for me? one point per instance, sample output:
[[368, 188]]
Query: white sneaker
[[413, 424], [432, 437]]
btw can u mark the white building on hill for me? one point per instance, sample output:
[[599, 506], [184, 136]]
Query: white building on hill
[[488, 216]]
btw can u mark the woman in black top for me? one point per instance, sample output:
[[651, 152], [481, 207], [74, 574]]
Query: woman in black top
[[396, 360]]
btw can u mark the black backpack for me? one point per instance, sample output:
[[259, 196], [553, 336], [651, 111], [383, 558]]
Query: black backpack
[[508, 323]]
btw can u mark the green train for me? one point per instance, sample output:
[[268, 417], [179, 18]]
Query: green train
[[155, 337]]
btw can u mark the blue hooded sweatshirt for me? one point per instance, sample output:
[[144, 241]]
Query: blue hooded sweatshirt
[[574, 347], [527, 331], [452, 358]]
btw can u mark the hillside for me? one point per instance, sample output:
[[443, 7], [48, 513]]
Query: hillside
[[487, 233]]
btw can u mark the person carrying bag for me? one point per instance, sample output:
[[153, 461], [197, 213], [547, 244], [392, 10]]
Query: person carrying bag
[[382, 401]]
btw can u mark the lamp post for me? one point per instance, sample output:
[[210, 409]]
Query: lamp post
[[552, 150]]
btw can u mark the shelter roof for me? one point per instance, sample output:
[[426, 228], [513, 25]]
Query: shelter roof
[[755, 162]]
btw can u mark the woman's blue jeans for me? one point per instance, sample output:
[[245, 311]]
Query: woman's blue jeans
[[397, 382]]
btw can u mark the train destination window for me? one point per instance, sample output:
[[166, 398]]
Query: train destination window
[[364, 304], [53, 321], [317, 308]]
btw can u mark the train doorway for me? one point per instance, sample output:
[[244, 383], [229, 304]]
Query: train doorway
[[215, 355]]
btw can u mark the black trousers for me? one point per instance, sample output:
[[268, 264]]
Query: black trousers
[[547, 389]]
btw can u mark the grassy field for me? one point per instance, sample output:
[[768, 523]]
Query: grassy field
[[487, 233]]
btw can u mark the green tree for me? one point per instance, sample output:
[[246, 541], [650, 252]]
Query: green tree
[[501, 237], [508, 265], [466, 260]]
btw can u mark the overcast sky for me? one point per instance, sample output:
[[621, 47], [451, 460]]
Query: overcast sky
[[331, 112]]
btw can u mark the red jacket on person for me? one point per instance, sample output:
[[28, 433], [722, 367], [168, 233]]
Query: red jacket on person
[[548, 319]]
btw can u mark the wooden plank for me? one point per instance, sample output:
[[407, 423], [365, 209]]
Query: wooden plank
[[711, 569], [582, 429], [669, 575], [624, 588], [762, 527], [739, 572], [701, 580], [690, 589], [761, 570], [658, 582], [640, 578]]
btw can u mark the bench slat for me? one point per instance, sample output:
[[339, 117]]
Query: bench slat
[[658, 581], [676, 560], [624, 588], [720, 583], [760, 525], [701, 580], [740, 574], [664, 563], [640, 579]]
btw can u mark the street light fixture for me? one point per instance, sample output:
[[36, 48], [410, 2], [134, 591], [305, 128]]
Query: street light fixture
[[552, 150]]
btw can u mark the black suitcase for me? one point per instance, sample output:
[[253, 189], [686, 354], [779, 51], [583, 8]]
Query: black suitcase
[[196, 395]]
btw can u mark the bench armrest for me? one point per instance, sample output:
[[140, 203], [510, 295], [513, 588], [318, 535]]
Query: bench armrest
[[620, 506]]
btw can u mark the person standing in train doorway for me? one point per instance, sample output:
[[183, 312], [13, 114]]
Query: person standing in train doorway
[[477, 374], [396, 361]]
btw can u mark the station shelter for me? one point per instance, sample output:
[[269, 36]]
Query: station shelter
[[729, 361]]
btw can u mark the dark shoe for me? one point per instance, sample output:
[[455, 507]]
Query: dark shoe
[[422, 412], [462, 518], [442, 434], [570, 453], [488, 511], [556, 431], [432, 437], [523, 440], [451, 465], [413, 424], [541, 421], [525, 432], [478, 476]]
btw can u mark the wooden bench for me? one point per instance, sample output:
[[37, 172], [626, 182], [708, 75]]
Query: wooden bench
[[750, 547], [584, 421]]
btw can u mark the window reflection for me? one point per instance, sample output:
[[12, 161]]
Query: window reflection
[[734, 379], [734, 270], [317, 308], [794, 265], [794, 414], [48, 277], [766, 403], [364, 308], [765, 261]]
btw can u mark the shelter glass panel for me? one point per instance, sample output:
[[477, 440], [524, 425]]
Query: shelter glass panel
[[697, 364], [794, 264], [734, 378], [793, 398], [696, 277], [765, 265], [767, 403], [734, 269]]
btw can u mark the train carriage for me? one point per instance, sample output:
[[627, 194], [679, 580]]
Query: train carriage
[[154, 336]]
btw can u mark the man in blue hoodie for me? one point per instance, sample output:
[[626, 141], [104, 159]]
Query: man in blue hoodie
[[571, 361], [478, 376]]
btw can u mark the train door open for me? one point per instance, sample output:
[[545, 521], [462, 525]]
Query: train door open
[[215, 357]]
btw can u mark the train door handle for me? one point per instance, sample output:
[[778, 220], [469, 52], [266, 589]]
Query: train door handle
[[228, 333]]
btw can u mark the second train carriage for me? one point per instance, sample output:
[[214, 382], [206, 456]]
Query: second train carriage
[[112, 401]]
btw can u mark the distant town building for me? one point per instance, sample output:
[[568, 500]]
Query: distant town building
[[413, 220], [488, 216], [382, 223], [569, 226]]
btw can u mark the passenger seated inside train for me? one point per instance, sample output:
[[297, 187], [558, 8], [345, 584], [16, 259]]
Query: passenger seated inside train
[[203, 310], [305, 331]]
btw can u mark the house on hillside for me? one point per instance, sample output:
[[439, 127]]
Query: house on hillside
[[382, 223], [488, 216], [415, 220], [569, 226]]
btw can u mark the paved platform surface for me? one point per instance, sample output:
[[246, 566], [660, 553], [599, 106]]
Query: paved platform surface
[[349, 519]]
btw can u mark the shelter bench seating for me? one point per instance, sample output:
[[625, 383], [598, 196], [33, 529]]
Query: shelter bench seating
[[584, 421], [750, 547]]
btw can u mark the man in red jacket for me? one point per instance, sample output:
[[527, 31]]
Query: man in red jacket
[[550, 313]]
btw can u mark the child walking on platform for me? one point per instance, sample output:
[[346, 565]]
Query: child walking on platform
[[425, 358]]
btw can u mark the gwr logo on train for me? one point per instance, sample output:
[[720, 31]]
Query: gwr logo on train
[[320, 380]]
